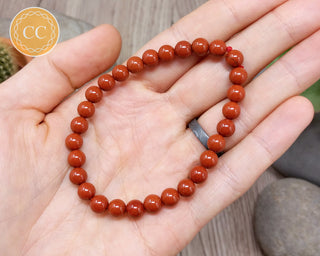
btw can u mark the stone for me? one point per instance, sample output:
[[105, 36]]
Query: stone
[[287, 218], [4, 27], [70, 27], [302, 159]]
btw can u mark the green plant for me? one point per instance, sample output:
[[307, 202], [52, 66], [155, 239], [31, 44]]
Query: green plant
[[313, 94], [7, 64]]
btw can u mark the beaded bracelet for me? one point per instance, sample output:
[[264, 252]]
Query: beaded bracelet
[[208, 159]]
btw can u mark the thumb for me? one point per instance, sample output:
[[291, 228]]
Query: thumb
[[47, 80]]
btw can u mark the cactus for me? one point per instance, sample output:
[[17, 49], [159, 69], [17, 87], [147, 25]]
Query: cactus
[[8, 65]]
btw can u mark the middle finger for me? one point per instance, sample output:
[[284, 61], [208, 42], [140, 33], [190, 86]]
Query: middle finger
[[206, 83]]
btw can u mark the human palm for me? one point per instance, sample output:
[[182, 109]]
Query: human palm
[[137, 143]]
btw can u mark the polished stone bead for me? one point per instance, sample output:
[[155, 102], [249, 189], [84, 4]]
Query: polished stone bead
[[198, 174], [231, 110], [74, 141], [78, 176], [166, 53], [170, 196], [183, 49], [200, 46], [120, 73], [226, 127], [186, 187], [152, 203], [208, 159], [117, 207], [94, 94], [216, 143], [86, 109], [236, 93], [135, 64], [135, 208], [234, 58], [79, 125], [99, 203], [217, 47], [106, 82], [150, 57], [238, 75], [76, 158], [86, 191]]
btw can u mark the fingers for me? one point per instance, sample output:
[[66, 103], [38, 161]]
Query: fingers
[[235, 172], [206, 83], [238, 169], [215, 19], [291, 75], [47, 80]]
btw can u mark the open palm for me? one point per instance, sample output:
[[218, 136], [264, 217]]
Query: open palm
[[137, 143]]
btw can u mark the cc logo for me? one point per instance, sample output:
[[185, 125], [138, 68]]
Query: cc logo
[[34, 31], [29, 32]]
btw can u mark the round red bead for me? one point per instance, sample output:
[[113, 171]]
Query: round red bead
[[152, 203], [79, 125], [226, 127], [217, 47], [135, 208], [106, 82], [74, 141], [86, 191], [186, 187], [198, 174], [216, 143], [238, 75], [150, 57], [200, 46], [135, 64], [231, 110], [208, 159], [117, 207], [166, 53], [99, 203], [234, 58], [183, 49], [120, 73], [170, 196], [78, 176], [86, 109], [236, 93], [94, 94], [76, 158]]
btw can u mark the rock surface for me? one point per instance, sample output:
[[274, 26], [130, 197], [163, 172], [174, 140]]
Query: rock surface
[[302, 159], [287, 218], [4, 27], [70, 27]]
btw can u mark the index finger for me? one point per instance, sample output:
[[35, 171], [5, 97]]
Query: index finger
[[219, 19]]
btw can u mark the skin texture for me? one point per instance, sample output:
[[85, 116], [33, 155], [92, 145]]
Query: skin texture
[[40, 209]]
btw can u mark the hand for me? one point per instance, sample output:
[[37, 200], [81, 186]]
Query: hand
[[137, 142]]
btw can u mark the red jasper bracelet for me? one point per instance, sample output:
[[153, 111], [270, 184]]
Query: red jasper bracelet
[[208, 158]]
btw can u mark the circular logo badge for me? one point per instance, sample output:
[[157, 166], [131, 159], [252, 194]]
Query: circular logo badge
[[34, 31]]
